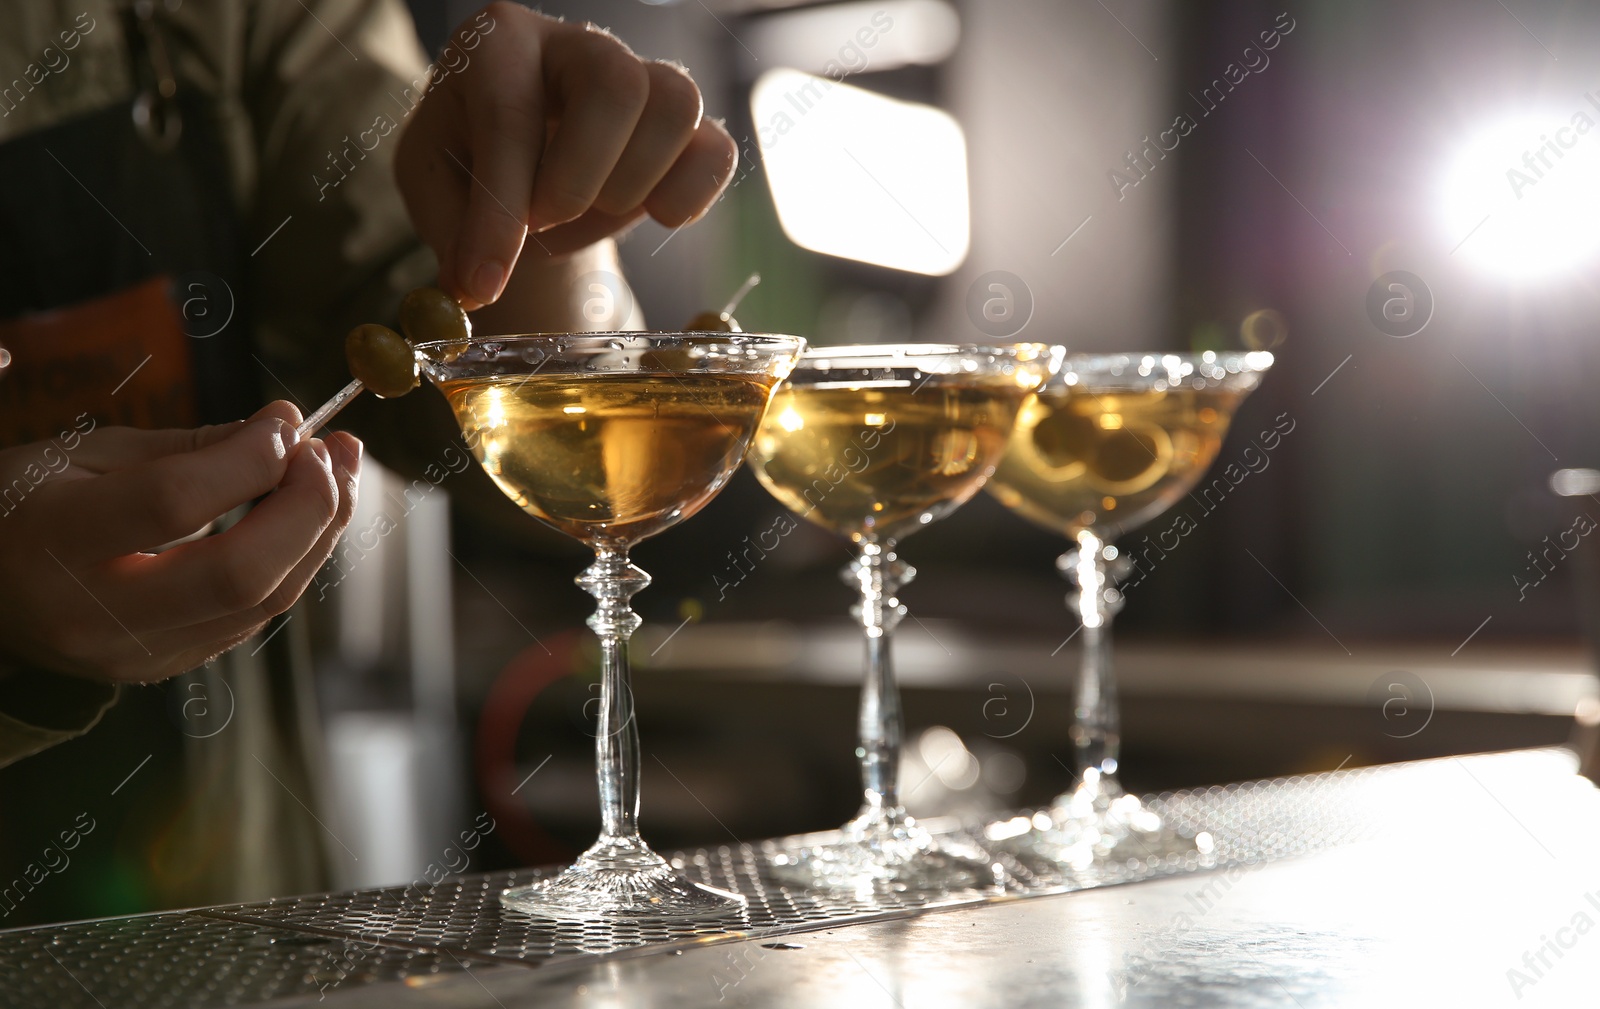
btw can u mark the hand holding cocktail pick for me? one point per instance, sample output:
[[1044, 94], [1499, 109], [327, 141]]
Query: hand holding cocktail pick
[[723, 321], [383, 361]]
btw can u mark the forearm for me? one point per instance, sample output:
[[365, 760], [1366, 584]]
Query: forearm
[[582, 291]]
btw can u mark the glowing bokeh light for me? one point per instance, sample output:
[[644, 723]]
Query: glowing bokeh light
[[1521, 196], [860, 176]]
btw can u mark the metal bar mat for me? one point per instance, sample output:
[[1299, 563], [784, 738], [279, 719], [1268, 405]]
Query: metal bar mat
[[301, 946]]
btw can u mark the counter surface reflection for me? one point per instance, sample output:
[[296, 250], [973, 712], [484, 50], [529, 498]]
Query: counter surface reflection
[[1463, 882]]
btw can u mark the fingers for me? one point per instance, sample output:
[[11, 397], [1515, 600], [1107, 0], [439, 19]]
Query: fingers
[[697, 178], [238, 570], [112, 448], [600, 89], [558, 129], [166, 499], [680, 190], [505, 135], [669, 120], [346, 451], [434, 187], [579, 234], [281, 409], [221, 633], [159, 615]]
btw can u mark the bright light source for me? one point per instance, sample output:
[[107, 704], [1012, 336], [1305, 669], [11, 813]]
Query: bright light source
[[1575, 482], [861, 176], [1521, 197], [847, 38]]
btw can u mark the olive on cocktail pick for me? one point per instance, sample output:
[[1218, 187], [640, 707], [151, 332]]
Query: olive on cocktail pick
[[386, 362], [428, 315], [723, 321], [382, 360]]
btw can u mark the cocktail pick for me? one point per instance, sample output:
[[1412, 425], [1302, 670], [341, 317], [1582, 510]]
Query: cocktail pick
[[723, 322], [327, 411]]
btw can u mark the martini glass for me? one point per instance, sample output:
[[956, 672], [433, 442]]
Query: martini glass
[[873, 443], [611, 438], [1110, 443]]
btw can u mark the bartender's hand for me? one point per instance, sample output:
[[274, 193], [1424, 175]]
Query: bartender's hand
[[79, 594], [558, 129]]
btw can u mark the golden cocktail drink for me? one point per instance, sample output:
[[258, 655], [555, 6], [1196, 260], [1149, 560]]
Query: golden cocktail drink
[[874, 443], [612, 438], [1110, 443]]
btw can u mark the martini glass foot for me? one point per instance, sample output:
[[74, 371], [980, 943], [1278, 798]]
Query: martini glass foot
[[621, 879], [1099, 823], [886, 848]]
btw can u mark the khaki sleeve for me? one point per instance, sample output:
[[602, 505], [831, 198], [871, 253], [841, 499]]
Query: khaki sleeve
[[328, 86], [39, 710]]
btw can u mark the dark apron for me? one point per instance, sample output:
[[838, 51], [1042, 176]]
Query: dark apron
[[123, 297], [95, 212]]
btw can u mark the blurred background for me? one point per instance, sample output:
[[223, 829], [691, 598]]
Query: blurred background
[[1123, 175]]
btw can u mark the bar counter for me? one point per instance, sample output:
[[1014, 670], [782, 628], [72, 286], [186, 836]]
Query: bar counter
[[1469, 881]]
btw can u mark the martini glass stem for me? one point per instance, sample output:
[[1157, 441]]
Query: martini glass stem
[[1096, 734], [612, 580], [879, 574]]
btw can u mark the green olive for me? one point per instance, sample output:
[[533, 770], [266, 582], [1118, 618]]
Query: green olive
[[428, 315], [713, 322], [382, 360], [1130, 459], [1061, 438]]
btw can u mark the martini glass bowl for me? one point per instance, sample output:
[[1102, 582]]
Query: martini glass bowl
[[874, 443]]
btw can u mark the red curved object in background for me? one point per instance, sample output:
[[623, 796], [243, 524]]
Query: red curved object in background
[[519, 684]]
